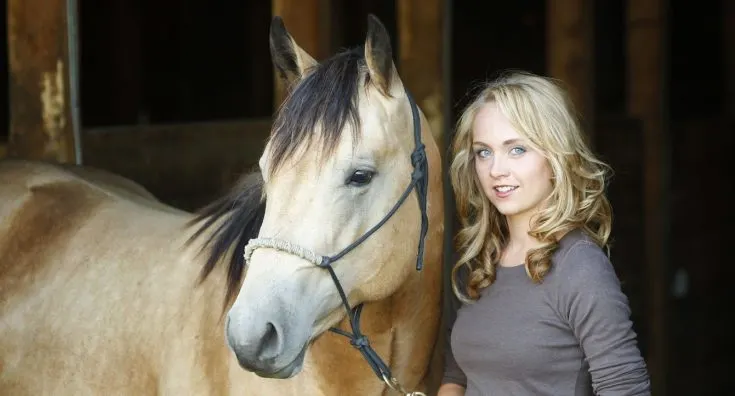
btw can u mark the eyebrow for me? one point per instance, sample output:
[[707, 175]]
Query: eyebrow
[[505, 143]]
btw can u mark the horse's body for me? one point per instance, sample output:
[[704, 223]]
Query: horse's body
[[101, 286]]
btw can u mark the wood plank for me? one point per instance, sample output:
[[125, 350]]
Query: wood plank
[[185, 165], [421, 52], [309, 22], [41, 124], [570, 54], [646, 69]]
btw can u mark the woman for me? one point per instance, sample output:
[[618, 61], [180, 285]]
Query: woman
[[542, 310]]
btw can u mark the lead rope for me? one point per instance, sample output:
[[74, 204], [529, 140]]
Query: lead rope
[[419, 181]]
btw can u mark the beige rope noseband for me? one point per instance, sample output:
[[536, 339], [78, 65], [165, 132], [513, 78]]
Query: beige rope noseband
[[283, 246]]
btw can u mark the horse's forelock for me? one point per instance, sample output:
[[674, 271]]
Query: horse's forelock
[[325, 100]]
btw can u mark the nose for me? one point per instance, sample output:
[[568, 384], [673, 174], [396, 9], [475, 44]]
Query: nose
[[498, 167], [258, 350]]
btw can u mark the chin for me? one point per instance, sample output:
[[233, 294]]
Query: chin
[[289, 371], [506, 209]]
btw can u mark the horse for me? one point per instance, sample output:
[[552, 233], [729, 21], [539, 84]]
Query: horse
[[317, 273]]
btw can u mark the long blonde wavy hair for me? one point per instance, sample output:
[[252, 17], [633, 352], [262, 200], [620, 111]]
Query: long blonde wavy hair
[[541, 111]]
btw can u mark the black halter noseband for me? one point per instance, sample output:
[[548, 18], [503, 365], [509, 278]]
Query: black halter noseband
[[419, 181]]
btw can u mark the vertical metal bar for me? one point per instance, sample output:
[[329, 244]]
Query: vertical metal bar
[[72, 30]]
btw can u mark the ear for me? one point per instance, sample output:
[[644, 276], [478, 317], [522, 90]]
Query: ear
[[379, 57], [291, 61]]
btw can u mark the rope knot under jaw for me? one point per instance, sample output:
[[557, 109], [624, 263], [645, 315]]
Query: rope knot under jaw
[[360, 342]]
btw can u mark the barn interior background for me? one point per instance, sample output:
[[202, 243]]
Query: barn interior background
[[178, 96]]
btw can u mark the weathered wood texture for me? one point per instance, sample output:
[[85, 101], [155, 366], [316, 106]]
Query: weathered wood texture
[[646, 43], [40, 116], [421, 53], [570, 54], [184, 165], [309, 22]]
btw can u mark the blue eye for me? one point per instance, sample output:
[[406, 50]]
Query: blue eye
[[518, 150], [482, 153]]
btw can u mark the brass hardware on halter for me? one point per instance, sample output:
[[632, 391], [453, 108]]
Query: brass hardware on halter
[[393, 384]]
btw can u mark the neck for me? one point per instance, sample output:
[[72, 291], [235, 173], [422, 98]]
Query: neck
[[518, 227]]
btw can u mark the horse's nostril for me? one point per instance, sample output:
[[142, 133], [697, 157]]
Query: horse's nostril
[[271, 343]]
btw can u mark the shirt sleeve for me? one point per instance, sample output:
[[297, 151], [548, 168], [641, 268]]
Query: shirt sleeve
[[599, 315], [453, 374]]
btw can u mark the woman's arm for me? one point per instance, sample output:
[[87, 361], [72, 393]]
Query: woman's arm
[[599, 315], [451, 390], [454, 380]]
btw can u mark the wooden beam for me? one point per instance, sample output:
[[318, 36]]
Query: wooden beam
[[309, 22], [647, 86], [421, 53], [41, 124], [570, 54], [185, 165]]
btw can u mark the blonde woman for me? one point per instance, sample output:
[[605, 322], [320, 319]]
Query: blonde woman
[[542, 312]]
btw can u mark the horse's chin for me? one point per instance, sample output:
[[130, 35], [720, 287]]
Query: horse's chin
[[288, 371]]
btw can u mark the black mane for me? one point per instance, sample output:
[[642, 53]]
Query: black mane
[[325, 98]]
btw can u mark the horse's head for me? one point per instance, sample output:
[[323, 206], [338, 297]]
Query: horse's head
[[337, 161]]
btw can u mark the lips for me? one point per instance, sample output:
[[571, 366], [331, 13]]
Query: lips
[[504, 190]]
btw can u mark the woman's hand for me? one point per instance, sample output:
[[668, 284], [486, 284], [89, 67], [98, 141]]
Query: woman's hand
[[451, 390]]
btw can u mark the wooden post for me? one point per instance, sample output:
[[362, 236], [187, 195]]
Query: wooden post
[[423, 48], [647, 75], [41, 123], [309, 22], [570, 54], [421, 58]]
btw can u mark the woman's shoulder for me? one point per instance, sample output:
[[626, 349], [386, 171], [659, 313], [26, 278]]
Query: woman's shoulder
[[580, 260]]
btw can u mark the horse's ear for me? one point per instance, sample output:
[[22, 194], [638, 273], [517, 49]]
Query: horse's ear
[[291, 60], [379, 57]]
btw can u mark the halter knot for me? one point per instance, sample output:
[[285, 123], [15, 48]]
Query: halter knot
[[360, 342], [326, 262], [419, 155]]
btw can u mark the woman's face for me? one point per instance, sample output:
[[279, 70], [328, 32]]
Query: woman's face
[[515, 178]]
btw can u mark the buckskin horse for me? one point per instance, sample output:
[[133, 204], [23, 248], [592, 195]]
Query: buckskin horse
[[317, 274]]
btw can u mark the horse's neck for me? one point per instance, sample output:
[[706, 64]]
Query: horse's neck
[[401, 330]]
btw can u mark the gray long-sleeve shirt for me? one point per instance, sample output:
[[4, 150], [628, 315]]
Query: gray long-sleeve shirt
[[570, 335]]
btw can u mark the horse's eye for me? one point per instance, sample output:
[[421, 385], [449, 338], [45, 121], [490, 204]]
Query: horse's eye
[[360, 178]]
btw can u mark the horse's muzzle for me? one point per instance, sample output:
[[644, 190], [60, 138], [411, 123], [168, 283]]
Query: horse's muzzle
[[261, 350]]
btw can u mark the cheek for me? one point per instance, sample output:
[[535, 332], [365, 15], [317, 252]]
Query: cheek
[[481, 173], [543, 174], [481, 169], [536, 170]]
